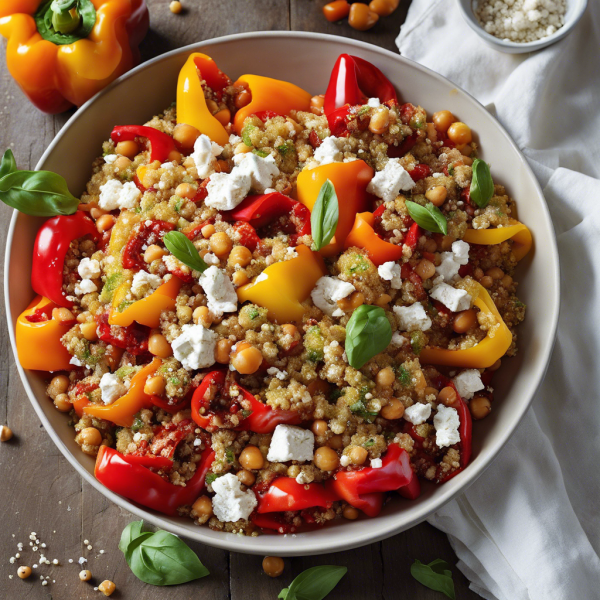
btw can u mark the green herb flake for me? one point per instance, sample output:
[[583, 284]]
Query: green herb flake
[[230, 455], [210, 478], [260, 153], [287, 148], [247, 133], [360, 410], [369, 443], [436, 576], [137, 424], [451, 169], [417, 342], [403, 375]]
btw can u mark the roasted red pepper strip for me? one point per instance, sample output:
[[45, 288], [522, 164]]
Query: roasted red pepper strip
[[264, 419], [149, 232], [161, 144], [272, 521], [420, 171], [285, 493], [370, 504], [127, 477], [149, 461], [412, 237], [51, 246]]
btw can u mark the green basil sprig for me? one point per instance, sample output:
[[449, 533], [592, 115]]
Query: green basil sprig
[[314, 583], [368, 333], [324, 216], [71, 26], [482, 184], [436, 576], [36, 193], [159, 558], [183, 249], [429, 217]]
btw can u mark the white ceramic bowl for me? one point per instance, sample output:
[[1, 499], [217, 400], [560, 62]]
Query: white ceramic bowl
[[575, 10], [306, 59]]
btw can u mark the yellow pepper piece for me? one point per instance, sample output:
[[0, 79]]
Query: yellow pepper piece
[[484, 354], [122, 411], [270, 94], [519, 233], [191, 103], [282, 287], [148, 310]]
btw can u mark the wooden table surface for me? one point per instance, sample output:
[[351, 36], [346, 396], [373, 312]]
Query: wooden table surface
[[41, 492]]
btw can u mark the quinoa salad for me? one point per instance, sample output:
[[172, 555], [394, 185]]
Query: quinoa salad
[[271, 309]]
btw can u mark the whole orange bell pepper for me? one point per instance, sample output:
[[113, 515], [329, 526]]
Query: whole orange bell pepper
[[282, 287], [363, 236], [62, 53], [271, 95], [38, 337], [148, 310], [122, 411], [350, 181], [191, 103], [519, 233], [484, 354]]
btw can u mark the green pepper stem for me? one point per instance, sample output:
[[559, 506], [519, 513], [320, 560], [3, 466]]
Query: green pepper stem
[[65, 16]]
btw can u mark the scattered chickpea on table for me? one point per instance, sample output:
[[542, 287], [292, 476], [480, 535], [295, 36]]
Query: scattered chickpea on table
[[360, 16]]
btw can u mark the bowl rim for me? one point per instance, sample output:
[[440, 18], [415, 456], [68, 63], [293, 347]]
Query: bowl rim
[[300, 546], [474, 24]]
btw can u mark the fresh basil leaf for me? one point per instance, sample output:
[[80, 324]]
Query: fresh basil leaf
[[314, 583], [43, 21], [482, 184], [130, 533], [428, 217], [368, 333], [8, 163], [436, 576], [36, 193], [183, 249], [324, 216]]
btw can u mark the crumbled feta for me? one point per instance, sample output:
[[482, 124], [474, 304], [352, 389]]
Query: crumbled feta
[[211, 259], [195, 347], [376, 463], [390, 271], [453, 298], [230, 502], [374, 102], [329, 151], [219, 291], [412, 318], [205, 155], [88, 268], [85, 286], [446, 423], [398, 339], [345, 460], [143, 280], [467, 383], [275, 372], [112, 388], [388, 183], [291, 443], [75, 361], [328, 291], [417, 413], [110, 158], [451, 262], [234, 140], [114, 194], [260, 170], [226, 190]]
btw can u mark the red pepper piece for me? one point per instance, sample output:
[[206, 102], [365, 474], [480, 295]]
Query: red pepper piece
[[338, 121], [264, 419], [161, 144], [285, 494], [406, 272], [170, 408], [419, 172], [214, 78], [167, 438], [272, 521], [202, 192], [370, 504], [247, 234], [412, 237], [195, 231], [127, 477], [149, 232], [405, 146], [150, 461], [314, 140], [49, 251], [265, 115], [133, 338], [412, 490]]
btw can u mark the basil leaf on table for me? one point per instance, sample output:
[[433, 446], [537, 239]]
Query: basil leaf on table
[[183, 249], [482, 184], [8, 164], [436, 576], [368, 333], [429, 217], [324, 216], [314, 583], [130, 533]]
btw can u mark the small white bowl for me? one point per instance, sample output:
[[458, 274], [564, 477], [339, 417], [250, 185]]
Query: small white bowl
[[575, 10]]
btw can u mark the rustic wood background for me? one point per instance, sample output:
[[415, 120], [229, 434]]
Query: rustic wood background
[[41, 492]]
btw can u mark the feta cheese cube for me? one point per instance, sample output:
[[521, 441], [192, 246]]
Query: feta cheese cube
[[195, 347], [205, 155], [376, 463], [112, 388], [110, 158], [114, 194], [374, 102], [219, 291], [143, 281], [329, 151], [446, 423], [327, 292], [260, 170], [417, 413], [467, 383], [452, 261], [291, 443], [226, 190], [230, 502], [388, 183], [344, 460], [390, 271], [275, 372], [85, 286], [88, 268], [412, 318], [452, 298]]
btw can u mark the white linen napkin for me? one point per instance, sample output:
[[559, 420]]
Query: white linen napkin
[[529, 528]]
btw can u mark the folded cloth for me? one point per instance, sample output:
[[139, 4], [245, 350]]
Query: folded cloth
[[529, 528]]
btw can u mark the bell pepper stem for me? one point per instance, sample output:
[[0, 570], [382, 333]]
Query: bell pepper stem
[[65, 16]]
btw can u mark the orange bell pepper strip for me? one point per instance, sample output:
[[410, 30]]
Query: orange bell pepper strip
[[122, 411], [363, 236], [148, 310], [38, 338], [350, 181], [282, 287], [273, 95], [484, 354], [191, 103], [519, 233]]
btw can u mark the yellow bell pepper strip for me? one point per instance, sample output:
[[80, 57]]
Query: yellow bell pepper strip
[[146, 311], [519, 233], [191, 103], [272, 95], [350, 181], [122, 411], [484, 354], [38, 338], [282, 287], [363, 236], [62, 53]]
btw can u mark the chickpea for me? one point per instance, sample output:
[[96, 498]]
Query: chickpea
[[246, 477], [437, 195], [240, 255], [241, 148], [289, 329], [107, 587], [464, 320], [175, 7], [202, 506], [334, 11], [384, 8], [207, 231], [496, 365], [350, 512], [442, 120], [185, 190], [212, 106], [293, 471], [221, 244], [431, 391], [273, 566], [24, 572], [361, 17], [201, 316], [356, 299], [460, 133], [127, 148], [480, 407], [174, 156], [104, 223], [84, 316], [380, 121], [430, 245], [383, 300], [62, 403], [319, 427], [155, 386], [318, 386], [158, 345], [448, 397], [58, 385], [85, 575], [239, 278], [386, 377], [358, 455], [247, 360], [394, 409], [5, 433], [88, 331], [243, 98], [223, 116], [507, 281], [317, 102], [486, 281], [251, 458], [62, 314], [326, 459], [90, 436], [153, 253], [495, 273], [96, 212], [336, 442], [185, 135], [122, 163], [425, 269]]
